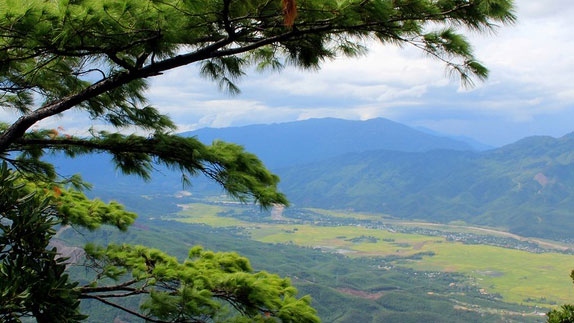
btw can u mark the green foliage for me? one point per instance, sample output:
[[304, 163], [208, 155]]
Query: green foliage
[[221, 286], [33, 281], [33, 278], [69, 204], [240, 173], [564, 314]]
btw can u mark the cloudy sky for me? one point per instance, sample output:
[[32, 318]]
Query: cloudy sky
[[530, 90]]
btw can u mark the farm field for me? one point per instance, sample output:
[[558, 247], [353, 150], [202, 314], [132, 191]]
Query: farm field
[[534, 277]]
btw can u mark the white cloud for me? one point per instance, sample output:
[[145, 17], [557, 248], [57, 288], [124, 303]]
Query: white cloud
[[535, 52], [552, 9], [529, 90]]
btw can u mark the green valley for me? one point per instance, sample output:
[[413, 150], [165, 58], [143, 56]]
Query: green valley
[[515, 271], [379, 236], [380, 275]]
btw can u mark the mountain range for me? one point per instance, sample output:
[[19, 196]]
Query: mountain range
[[526, 188], [381, 166], [292, 143]]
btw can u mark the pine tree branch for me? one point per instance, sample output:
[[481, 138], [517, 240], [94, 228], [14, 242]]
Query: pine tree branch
[[19, 127], [125, 309], [140, 145], [216, 49], [241, 174], [231, 299], [120, 295], [226, 22], [120, 287]]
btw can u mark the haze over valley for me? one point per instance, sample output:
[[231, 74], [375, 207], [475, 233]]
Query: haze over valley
[[377, 188]]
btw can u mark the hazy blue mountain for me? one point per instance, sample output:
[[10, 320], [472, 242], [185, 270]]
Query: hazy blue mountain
[[290, 143], [278, 145], [526, 187], [385, 167], [473, 143]]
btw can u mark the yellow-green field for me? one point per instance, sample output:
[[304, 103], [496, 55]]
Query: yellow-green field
[[518, 276], [207, 214]]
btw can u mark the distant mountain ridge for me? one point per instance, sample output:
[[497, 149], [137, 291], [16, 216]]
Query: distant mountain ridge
[[381, 166], [278, 145], [475, 144], [526, 187], [300, 142]]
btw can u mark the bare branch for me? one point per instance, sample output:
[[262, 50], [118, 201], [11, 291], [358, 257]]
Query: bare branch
[[127, 310], [101, 289]]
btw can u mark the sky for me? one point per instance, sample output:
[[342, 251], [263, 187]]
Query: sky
[[530, 90]]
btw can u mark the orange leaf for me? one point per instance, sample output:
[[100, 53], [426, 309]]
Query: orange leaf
[[57, 191], [53, 133], [289, 12]]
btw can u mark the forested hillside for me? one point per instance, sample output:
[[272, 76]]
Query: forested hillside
[[524, 187]]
